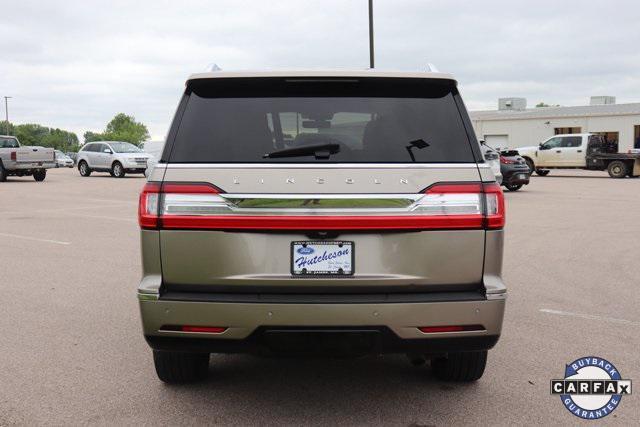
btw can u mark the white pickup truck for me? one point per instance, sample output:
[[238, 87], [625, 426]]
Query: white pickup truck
[[24, 161], [580, 151]]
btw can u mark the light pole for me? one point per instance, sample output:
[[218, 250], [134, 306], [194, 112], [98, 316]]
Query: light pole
[[371, 63], [6, 112]]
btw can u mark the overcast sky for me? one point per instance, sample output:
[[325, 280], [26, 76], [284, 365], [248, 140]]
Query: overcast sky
[[75, 64]]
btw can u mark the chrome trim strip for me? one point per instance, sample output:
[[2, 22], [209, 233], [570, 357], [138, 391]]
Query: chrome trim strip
[[323, 166], [496, 297], [148, 297], [409, 196], [322, 204]]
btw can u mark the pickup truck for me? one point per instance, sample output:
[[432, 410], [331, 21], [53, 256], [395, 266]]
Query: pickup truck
[[580, 151], [24, 161]]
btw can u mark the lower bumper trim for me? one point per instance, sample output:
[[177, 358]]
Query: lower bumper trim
[[333, 341]]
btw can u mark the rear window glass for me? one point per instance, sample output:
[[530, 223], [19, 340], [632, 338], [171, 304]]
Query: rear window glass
[[8, 143], [299, 121]]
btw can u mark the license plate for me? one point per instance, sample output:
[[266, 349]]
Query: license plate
[[322, 258], [522, 176]]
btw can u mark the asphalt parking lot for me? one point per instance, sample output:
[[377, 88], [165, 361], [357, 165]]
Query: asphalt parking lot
[[72, 351]]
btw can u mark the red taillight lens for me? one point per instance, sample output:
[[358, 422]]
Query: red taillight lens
[[494, 212], [13, 156], [155, 198], [479, 204], [148, 205], [507, 161], [203, 206], [179, 188], [450, 328], [192, 328]]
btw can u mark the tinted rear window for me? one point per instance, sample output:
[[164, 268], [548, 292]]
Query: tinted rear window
[[360, 120]]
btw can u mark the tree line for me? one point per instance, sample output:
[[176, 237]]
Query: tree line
[[121, 128], [35, 134]]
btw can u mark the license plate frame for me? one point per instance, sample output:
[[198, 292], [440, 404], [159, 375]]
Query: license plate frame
[[315, 245]]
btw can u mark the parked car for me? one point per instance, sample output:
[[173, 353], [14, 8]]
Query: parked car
[[62, 160], [154, 150], [515, 172], [393, 245], [580, 151], [492, 157], [115, 157], [72, 155], [20, 160]]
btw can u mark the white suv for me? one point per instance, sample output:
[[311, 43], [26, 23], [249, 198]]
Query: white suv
[[114, 157]]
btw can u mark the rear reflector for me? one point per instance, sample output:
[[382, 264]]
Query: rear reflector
[[203, 206], [191, 328], [450, 328]]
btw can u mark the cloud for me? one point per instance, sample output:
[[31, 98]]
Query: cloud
[[75, 64]]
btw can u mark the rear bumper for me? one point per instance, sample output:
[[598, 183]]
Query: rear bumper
[[318, 342], [370, 327], [30, 166], [516, 175]]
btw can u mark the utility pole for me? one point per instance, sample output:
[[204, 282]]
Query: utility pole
[[6, 112], [371, 62]]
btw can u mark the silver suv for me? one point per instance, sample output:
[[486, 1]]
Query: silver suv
[[115, 157], [321, 213]]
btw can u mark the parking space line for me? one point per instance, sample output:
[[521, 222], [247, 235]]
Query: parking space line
[[589, 316], [36, 239], [113, 218], [76, 208]]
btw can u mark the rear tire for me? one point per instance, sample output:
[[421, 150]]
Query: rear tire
[[513, 187], [542, 172], [3, 173], [462, 367], [617, 169], [83, 168], [40, 175], [117, 170], [175, 367]]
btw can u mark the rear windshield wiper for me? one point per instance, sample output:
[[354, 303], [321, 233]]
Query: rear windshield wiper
[[320, 151], [419, 144]]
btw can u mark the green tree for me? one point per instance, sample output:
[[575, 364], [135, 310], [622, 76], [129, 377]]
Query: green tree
[[61, 140], [92, 136], [35, 134], [125, 128], [6, 128], [542, 104]]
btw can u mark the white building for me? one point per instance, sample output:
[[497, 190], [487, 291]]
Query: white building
[[513, 125]]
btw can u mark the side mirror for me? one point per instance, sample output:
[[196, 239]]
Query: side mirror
[[542, 146], [106, 150]]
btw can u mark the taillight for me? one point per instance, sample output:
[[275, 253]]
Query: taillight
[[192, 328], [148, 205], [494, 209], [450, 328], [13, 156], [480, 205], [507, 161], [203, 206], [176, 199]]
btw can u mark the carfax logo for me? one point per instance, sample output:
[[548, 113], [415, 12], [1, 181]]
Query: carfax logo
[[592, 388]]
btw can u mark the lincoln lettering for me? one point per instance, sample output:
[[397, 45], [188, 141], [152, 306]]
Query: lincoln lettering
[[305, 261]]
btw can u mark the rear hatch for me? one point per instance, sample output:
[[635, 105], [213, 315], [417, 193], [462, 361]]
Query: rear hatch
[[321, 185]]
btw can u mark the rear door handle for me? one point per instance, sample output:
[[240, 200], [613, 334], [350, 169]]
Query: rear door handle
[[579, 151], [558, 151]]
